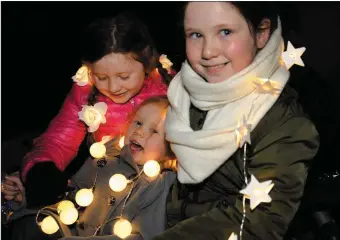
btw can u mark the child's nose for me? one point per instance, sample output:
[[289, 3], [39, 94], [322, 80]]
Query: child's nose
[[114, 87], [139, 131], [142, 132], [210, 49]]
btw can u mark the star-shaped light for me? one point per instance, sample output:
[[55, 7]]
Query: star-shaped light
[[243, 132], [293, 56], [265, 85], [257, 192], [232, 236]]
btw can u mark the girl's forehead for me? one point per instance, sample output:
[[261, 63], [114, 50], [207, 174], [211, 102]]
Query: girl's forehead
[[152, 112], [204, 14], [115, 63], [152, 108]]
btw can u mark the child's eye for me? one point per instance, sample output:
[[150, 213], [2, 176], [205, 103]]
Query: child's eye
[[153, 130], [225, 32], [102, 78], [195, 35], [124, 77], [138, 123]]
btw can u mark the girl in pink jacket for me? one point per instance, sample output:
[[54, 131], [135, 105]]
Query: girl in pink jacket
[[121, 68]]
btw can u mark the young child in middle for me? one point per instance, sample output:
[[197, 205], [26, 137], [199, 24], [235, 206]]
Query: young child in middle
[[145, 206], [142, 202]]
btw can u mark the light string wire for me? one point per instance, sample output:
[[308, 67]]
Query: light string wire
[[246, 181], [124, 204]]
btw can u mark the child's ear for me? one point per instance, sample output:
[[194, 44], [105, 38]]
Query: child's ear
[[263, 33]]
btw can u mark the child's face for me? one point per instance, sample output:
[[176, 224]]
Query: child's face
[[218, 40], [146, 135], [118, 76]]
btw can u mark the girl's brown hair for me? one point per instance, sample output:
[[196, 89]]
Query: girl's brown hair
[[125, 33]]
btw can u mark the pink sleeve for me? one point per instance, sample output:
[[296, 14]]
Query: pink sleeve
[[60, 142]]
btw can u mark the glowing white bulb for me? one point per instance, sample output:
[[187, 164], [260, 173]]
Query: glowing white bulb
[[64, 205], [49, 225], [84, 197], [122, 228], [69, 216], [97, 150], [118, 182], [151, 168], [121, 142]]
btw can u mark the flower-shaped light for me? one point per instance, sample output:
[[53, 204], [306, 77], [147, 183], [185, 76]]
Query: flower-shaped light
[[166, 63], [93, 116], [82, 76]]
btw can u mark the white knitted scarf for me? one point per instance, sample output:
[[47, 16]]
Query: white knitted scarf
[[201, 153]]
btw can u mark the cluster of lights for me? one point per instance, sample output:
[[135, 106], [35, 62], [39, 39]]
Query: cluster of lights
[[84, 197], [68, 215]]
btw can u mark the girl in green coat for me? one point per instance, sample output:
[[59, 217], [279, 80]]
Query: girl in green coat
[[242, 140]]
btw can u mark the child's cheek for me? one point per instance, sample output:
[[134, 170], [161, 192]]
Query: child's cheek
[[156, 149]]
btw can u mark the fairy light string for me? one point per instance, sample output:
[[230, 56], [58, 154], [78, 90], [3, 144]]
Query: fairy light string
[[246, 181], [132, 181]]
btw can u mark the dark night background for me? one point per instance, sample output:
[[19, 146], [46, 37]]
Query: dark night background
[[39, 55], [39, 46]]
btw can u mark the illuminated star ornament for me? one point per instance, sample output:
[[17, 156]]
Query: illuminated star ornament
[[265, 85], [257, 192], [243, 132], [293, 56], [233, 236]]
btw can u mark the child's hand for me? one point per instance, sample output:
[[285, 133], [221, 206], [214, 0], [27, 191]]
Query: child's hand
[[12, 188]]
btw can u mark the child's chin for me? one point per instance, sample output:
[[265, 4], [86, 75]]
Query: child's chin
[[138, 158], [140, 162]]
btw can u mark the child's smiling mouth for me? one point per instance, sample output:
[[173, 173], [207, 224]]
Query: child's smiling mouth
[[118, 94], [215, 68], [135, 146]]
